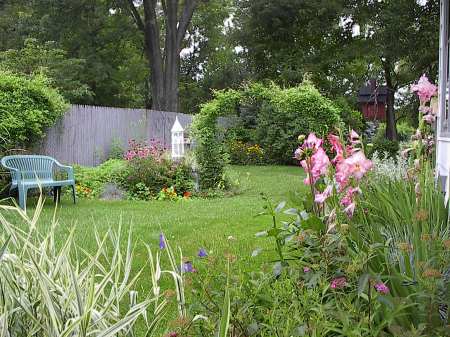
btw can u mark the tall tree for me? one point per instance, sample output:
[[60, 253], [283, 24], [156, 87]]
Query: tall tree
[[402, 36], [171, 19]]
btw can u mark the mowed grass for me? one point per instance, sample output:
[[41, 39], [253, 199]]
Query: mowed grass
[[190, 225]]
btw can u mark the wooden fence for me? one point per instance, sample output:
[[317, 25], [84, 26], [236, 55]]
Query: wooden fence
[[84, 135]]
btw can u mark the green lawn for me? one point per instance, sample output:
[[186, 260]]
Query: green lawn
[[190, 224]]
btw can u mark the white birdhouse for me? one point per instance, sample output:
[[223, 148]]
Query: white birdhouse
[[177, 140]]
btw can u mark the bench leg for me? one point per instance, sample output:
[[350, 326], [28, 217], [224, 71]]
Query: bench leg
[[22, 197], [73, 194], [57, 194]]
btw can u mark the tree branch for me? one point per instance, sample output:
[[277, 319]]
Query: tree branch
[[135, 14], [185, 19]]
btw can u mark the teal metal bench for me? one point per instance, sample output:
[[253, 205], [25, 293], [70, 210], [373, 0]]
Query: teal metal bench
[[33, 171]]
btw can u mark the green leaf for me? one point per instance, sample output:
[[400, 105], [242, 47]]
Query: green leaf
[[274, 232], [224, 323], [362, 283], [5, 245], [314, 223], [280, 207]]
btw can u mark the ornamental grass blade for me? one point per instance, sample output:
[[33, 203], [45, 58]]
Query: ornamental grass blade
[[224, 323]]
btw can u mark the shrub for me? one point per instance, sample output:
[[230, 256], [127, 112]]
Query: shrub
[[245, 154], [91, 180], [385, 148], [147, 176], [291, 112], [27, 107]]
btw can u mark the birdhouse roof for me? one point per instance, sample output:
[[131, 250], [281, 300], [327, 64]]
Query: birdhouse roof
[[177, 126]]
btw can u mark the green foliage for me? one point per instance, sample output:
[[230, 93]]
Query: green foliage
[[27, 107], [267, 115], [407, 224], [385, 147], [289, 113], [142, 178], [91, 180], [63, 72], [351, 117], [404, 132], [116, 150], [210, 154], [245, 154], [149, 176]]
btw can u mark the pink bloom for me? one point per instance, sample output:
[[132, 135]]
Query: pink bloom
[[312, 142], [342, 174], [348, 198], [338, 283], [350, 209], [318, 166], [306, 269], [424, 88], [358, 164], [429, 119], [381, 288], [337, 148], [321, 197]]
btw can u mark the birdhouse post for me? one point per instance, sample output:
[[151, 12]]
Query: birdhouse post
[[177, 140]]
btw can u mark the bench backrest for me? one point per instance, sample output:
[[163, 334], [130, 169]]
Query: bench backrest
[[30, 166]]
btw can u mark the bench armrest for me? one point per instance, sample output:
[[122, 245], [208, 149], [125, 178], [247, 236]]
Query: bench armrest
[[68, 169], [18, 174]]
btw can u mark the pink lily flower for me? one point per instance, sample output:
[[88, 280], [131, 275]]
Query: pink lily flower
[[359, 164], [424, 89], [312, 142], [321, 197], [337, 148]]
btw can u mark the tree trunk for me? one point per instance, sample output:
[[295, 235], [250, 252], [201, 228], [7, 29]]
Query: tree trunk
[[164, 64], [391, 125]]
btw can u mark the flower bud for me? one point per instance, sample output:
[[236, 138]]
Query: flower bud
[[301, 138]]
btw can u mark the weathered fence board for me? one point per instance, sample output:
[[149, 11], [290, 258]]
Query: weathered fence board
[[85, 133]]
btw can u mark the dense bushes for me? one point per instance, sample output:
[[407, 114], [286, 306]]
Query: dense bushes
[[287, 114], [27, 107], [267, 117], [139, 178]]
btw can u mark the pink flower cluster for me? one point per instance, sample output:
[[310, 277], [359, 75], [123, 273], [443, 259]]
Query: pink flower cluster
[[338, 283], [136, 149], [425, 90], [381, 288], [350, 165]]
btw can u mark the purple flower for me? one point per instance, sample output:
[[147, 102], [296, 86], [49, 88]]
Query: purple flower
[[187, 267], [338, 283], [381, 288], [202, 253], [306, 269], [162, 241]]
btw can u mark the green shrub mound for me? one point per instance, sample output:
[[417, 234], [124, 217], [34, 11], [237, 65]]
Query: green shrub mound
[[27, 107], [140, 178], [268, 117], [291, 112]]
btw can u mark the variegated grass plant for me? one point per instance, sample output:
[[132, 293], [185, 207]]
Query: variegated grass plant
[[52, 291]]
